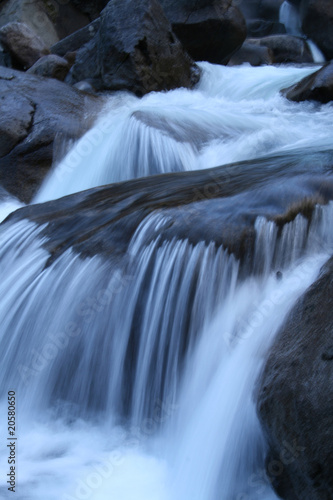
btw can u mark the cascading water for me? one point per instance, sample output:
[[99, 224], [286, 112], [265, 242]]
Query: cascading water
[[219, 123], [289, 16], [135, 375]]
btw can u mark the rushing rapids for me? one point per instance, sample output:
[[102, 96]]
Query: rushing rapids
[[135, 373]]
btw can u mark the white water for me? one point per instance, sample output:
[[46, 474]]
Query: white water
[[135, 382], [193, 432], [235, 114]]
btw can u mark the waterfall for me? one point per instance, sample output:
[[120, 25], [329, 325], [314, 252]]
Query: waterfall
[[135, 373], [173, 328], [289, 16]]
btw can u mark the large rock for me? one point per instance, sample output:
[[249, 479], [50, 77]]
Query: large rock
[[296, 394], [33, 14], [317, 23], [51, 66], [34, 112], [315, 87], [137, 52], [51, 20], [285, 48], [22, 43], [209, 31], [217, 204]]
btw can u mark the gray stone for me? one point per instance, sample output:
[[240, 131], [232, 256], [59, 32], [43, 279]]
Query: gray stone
[[51, 66], [22, 43], [51, 20], [36, 111], [285, 48], [32, 13]]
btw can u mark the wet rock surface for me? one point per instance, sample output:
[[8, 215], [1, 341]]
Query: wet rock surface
[[219, 205], [315, 87], [296, 394]]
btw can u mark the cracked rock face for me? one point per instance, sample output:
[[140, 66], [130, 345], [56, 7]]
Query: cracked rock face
[[35, 111], [16, 121]]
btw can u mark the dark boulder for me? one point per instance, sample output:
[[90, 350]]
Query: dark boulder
[[22, 43], [50, 66], [315, 87], [285, 48], [137, 52], [317, 24], [296, 394], [209, 31], [32, 13], [35, 111]]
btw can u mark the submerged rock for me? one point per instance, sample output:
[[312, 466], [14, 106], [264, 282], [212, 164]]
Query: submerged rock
[[34, 112], [209, 31], [137, 52], [217, 205], [296, 394], [315, 87]]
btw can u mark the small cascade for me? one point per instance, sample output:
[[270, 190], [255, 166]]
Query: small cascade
[[289, 16], [218, 123], [171, 325]]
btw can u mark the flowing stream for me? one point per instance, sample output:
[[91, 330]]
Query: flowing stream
[[135, 380]]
